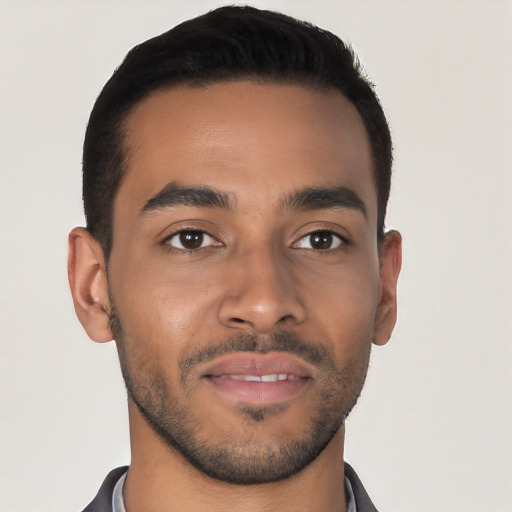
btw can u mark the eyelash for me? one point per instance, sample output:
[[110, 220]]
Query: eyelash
[[342, 241], [167, 240]]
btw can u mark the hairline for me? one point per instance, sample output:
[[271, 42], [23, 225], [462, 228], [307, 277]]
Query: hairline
[[305, 81]]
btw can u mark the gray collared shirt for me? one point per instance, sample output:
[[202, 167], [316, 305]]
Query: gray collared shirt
[[118, 501]]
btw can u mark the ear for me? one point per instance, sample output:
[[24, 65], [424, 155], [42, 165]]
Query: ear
[[88, 283], [390, 264]]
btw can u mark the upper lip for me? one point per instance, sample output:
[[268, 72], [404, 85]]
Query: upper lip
[[251, 363]]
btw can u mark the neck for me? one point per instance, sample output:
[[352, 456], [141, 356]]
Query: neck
[[160, 479]]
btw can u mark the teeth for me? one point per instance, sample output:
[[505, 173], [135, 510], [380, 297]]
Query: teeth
[[273, 377]]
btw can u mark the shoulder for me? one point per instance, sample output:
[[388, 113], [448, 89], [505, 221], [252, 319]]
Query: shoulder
[[363, 501], [103, 500]]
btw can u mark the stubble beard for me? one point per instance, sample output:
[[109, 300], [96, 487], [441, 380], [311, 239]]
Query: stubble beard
[[249, 462]]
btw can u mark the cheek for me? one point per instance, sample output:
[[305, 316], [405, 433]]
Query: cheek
[[159, 303], [346, 309]]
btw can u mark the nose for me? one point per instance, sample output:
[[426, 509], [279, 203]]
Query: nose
[[260, 294]]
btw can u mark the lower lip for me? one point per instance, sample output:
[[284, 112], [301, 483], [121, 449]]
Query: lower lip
[[257, 393]]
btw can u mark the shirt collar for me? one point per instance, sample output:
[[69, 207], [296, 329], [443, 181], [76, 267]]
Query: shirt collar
[[118, 501]]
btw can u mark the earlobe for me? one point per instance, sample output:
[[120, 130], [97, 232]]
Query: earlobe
[[88, 283], [390, 264]]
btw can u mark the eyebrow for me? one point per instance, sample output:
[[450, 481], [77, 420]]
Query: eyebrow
[[313, 198], [175, 194], [317, 198]]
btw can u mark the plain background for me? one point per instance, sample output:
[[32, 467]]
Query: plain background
[[433, 429]]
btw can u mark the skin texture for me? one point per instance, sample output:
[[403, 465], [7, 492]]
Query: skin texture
[[257, 278]]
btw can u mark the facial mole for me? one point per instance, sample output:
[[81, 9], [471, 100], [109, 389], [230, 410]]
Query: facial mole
[[257, 415]]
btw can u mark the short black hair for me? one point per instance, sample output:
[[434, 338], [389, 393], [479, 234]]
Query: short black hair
[[227, 44]]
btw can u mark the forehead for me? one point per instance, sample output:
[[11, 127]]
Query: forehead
[[254, 141]]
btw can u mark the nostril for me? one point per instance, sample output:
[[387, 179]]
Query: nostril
[[238, 320]]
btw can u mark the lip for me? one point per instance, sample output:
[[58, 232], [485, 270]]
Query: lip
[[225, 374]]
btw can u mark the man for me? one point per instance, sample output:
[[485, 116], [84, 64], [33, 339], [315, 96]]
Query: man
[[236, 173]]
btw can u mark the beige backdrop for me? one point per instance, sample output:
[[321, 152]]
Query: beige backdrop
[[433, 430]]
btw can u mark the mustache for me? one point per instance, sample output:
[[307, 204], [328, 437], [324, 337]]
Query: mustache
[[285, 341]]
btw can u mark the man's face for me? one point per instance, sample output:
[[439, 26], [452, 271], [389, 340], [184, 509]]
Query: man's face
[[245, 272]]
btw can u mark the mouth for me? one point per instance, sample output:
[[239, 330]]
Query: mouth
[[272, 377], [258, 379]]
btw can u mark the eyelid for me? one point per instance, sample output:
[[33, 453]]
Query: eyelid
[[176, 236], [343, 241], [190, 228]]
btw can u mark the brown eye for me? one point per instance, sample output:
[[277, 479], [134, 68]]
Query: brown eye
[[320, 241], [190, 240]]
